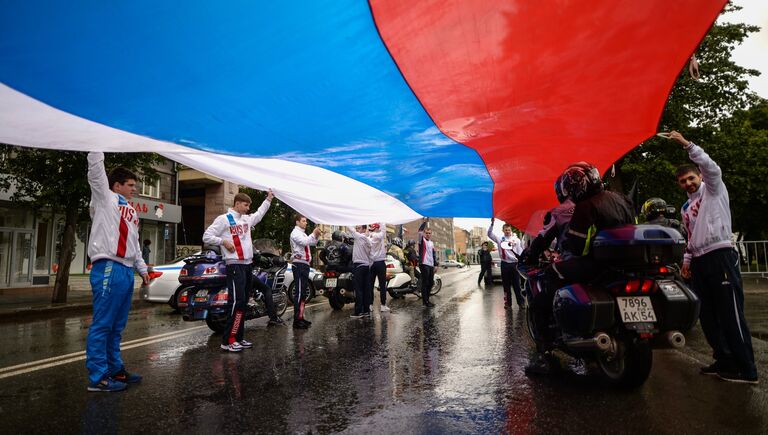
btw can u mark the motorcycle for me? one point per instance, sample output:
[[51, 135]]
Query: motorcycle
[[205, 295], [639, 303], [399, 282], [337, 286]]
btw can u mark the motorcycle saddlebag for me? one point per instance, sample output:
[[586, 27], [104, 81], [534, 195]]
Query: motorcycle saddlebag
[[638, 245], [675, 305], [581, 310]]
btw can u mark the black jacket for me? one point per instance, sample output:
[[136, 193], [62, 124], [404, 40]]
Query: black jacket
[[598, 212]]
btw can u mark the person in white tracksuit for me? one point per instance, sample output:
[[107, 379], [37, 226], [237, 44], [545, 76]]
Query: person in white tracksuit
[[712, 264], [300, 243]]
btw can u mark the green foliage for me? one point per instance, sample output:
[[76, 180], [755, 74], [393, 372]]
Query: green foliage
[[57, 180], [277, 224], [718, 112]]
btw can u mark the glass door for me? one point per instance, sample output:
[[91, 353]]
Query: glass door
[[6, 238], [21, 258]]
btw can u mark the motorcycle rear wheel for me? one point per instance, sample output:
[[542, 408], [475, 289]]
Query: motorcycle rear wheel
[[631, 365], [217, 323], [336, 300]]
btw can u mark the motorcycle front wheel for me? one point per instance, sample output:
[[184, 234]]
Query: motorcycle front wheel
[[436, 287], [216, 323], [630, 366], [307, 296], [281, 301]]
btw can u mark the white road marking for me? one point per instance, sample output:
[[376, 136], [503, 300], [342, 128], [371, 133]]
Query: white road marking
[[19, 369]]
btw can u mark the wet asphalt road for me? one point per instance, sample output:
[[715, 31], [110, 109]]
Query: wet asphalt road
[[453, 369]]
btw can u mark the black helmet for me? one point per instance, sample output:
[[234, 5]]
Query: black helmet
[[337, 236], [581, 180], [561, 194], [653, 208], [411, 242], [397, 241]]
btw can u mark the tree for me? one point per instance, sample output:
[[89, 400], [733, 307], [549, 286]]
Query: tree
[[56, 181], [278, 222], [702, 110]]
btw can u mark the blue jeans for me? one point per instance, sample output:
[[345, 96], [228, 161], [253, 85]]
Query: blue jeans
[[112, 286]]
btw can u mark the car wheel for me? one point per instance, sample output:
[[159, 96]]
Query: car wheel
[[173, 301]]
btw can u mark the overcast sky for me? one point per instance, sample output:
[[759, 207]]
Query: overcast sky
[[753, 53]]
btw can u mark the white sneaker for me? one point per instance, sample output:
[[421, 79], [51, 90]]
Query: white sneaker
[[234, 347], [384, 309], [245, 344]]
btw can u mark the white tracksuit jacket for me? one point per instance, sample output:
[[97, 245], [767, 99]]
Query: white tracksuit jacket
[[114, 221], [300, 243], [707, 213], [238, 231]]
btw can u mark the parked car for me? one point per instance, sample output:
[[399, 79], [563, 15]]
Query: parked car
[[496, 267], [164, 283], [288, 282], [452, 263]]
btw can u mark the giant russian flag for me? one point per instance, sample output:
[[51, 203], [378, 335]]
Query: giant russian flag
[[352, 111]]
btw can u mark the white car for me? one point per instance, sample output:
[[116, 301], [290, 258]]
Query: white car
[[164, 282], [452, 263]]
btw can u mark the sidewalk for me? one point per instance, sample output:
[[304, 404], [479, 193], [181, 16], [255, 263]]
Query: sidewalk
[[78, 298]]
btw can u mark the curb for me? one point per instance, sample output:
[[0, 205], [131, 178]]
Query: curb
[[26, 312]]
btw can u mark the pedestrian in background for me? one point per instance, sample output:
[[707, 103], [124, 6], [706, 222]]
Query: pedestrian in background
[[486, 264], [113, 246], [712, 264], [145, 251]]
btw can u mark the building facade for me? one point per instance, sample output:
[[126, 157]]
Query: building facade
[[30, 242]]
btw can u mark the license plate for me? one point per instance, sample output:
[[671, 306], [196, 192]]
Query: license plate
[[330, 282], [201, 296], [636, 309]]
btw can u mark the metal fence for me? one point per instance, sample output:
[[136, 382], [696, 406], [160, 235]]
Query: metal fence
[[754, 257]]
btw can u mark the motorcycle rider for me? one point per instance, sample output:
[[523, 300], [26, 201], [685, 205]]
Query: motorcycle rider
[[232, 231], [556, 225], [596, 209], [412, 261], [361, 261], [510, 247], [300, 243], [655, 211], [337, 255], [486, 263], [396, 250], [378, 235]]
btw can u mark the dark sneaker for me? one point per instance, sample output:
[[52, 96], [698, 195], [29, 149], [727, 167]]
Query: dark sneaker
[[107, 386], [126, 378], [245, 344], [429, 304], [276, 322], [539, 365], [356, 316], [306, 321], [737, 377], [367, 314], [298, 324], [711, 369]]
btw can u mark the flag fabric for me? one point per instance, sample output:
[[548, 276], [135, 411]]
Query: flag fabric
[[351, 111]]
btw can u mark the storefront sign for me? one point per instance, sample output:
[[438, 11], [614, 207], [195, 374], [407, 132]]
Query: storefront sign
[[157, 211]]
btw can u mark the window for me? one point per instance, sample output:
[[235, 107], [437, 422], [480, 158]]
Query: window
[[151, 189]]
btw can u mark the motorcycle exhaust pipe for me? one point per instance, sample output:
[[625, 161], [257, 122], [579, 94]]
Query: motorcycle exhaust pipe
[[670, 340], [320, 292], [601, 342]]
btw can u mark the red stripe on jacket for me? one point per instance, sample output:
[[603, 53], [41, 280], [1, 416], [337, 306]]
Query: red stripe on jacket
[[123, 239]]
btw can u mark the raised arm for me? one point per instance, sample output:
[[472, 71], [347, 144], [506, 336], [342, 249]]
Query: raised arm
[[97, 177]]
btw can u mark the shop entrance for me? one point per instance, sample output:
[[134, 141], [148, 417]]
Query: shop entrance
[[15, 258]]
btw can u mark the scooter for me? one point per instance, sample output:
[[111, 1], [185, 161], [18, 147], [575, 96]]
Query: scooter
[[205, 295], [639, 303], [399, 282]]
